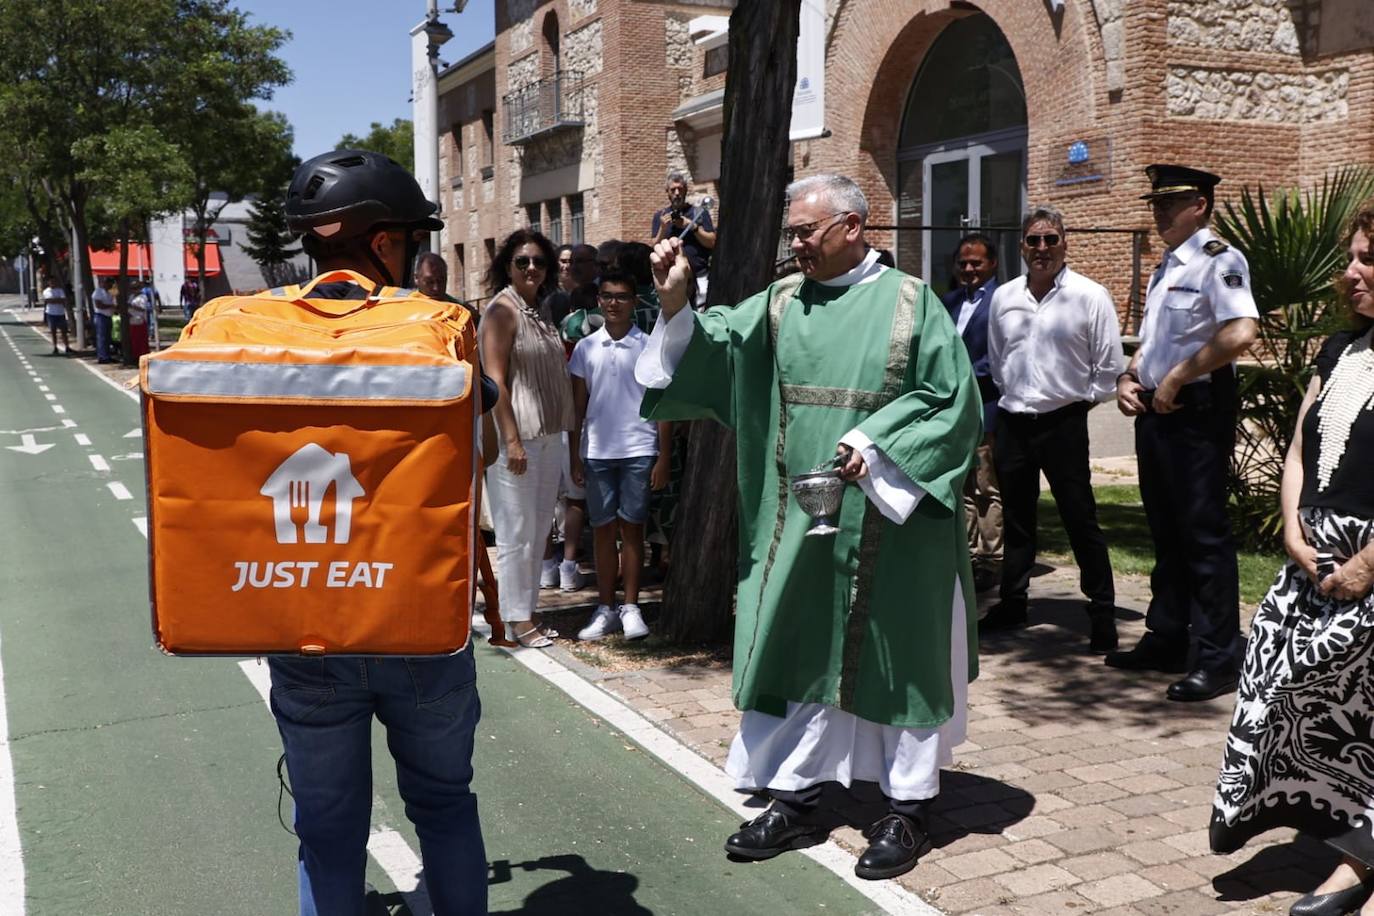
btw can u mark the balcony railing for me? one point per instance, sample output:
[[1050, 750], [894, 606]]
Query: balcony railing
[[552, 104]]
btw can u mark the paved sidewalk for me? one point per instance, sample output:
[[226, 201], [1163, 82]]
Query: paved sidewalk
[[1080, 790]]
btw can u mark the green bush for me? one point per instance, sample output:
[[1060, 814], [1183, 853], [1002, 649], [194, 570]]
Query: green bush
[[1294, 241]]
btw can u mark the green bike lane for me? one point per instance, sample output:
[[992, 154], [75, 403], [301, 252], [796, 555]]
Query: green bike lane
[[147, 784]]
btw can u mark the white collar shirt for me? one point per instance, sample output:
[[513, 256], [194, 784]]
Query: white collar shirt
[[612, 428], [1191, 295], [1063, 349], [969, 306]]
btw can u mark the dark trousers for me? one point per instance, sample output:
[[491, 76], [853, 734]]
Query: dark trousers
[[806, 805], [1057, 443], [1184, 457]]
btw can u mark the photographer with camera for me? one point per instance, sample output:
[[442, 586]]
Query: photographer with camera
[[693, 225]]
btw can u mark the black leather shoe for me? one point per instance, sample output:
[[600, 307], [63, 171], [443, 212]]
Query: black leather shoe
[[896, 844], [1202, 685], [1150, 654], [1003, 616], [1103, 634], [1338, 903], [770, 834]]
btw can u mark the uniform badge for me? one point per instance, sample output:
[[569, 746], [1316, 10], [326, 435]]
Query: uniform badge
[[1234, 279]]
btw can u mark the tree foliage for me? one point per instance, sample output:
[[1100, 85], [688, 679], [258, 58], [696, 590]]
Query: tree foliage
[[81, 79], [396, 141], [269, 239], [1294, 241]]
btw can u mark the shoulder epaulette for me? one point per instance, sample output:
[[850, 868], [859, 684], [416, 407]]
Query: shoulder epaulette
[[1215, 247]]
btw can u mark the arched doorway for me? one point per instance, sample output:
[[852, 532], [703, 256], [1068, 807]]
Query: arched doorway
[[961, 154]]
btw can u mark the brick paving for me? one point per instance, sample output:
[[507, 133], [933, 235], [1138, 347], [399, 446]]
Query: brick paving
[[1080, 789]]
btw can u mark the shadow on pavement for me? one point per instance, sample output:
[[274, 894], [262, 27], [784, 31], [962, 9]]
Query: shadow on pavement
[[1284, 868], [581, 890], [1074, 686]]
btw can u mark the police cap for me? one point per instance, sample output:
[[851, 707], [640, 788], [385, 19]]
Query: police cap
[[1178, 179]]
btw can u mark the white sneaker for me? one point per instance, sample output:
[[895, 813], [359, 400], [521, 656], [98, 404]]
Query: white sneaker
[[632, 621], [548, 576], [569, 579], [604, 622]]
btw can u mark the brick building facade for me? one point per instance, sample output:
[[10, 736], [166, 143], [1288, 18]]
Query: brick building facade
[[946, 112]]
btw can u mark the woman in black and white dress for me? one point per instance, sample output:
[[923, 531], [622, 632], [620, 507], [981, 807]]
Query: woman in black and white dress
[[1300, 752]]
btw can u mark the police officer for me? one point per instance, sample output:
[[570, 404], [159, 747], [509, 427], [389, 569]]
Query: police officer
[[1181, 388]]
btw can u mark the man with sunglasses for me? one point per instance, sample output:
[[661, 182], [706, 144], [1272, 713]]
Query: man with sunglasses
[[1054, 351], [1181, 388], [690, 223], [853, 650]]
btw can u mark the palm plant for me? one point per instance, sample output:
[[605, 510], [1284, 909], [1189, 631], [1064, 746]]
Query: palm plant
[[1294, 242]]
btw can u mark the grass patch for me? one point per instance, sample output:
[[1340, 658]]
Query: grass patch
[[1122, 517]]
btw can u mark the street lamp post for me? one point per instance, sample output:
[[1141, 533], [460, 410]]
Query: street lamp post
[[426, 39]]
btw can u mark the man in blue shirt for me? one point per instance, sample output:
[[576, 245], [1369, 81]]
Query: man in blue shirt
[[975, 271]]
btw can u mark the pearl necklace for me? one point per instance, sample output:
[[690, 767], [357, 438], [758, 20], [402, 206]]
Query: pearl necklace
[[1349, 391]]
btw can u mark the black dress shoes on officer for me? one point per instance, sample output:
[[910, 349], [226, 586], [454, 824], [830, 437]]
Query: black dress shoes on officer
[[1336, 903], [1150, 654], [772, 833], [1003, 616], [896, 844], [1202, 685]]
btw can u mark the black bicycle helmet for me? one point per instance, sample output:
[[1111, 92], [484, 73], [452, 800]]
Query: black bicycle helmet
[[336, 199]]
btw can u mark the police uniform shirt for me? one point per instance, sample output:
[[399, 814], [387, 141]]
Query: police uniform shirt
[[1192, 294]]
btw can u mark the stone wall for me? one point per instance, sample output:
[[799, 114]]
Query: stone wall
[[1233, 25], [522, 72], [582, 50], [1241, 95]]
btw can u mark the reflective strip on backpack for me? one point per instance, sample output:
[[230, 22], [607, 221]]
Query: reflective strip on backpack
[[213, 378]]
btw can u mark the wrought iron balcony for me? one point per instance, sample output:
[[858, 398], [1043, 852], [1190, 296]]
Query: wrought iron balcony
[[550, 105]]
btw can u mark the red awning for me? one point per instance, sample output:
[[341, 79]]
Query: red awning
[[106, 263]]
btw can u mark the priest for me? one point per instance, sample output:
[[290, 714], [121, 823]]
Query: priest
[[853, 651]]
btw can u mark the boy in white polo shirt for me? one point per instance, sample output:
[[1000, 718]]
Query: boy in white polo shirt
[[617, 456]]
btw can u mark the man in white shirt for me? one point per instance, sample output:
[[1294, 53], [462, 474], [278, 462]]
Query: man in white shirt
[[103, 300], [1181, 388], [55, 313], [1055, 351]]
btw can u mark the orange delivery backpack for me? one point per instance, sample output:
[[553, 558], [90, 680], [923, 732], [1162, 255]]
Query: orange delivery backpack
[[312, 475]]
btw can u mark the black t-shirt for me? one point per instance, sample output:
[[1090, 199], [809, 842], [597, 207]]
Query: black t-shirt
[[1351, 490], [698, 255]]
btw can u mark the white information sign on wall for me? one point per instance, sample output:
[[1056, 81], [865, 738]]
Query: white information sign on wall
[[808, 99]]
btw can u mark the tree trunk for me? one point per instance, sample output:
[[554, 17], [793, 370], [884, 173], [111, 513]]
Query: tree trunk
[[699, 594]]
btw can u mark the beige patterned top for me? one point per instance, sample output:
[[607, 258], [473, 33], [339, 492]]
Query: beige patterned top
[[537, 378]]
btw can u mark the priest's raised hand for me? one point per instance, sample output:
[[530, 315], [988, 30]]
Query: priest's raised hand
[[672, 275]]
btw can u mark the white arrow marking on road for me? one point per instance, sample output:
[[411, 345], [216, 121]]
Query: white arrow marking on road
[[141, 523], [99, 463], [83, 439], [131, 456], [31, 429], [134, 434], [119, 490], [30, 446]]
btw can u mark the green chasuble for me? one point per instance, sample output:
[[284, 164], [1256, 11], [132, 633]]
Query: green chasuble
[[859, 620]]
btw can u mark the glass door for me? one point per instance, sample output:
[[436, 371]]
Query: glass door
[[980, 186]]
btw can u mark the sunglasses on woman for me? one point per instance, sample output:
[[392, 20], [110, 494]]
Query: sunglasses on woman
[[523, 261]]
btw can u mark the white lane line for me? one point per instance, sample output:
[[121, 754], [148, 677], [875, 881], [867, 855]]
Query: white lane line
[[68, 424], [11, 852], [99, 463], [119, 490], [58, 408], [83, 439], [50, 397], [891, 897], [42, 387], [87, 366], [388, 848], [141, 523], [134, 434]]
